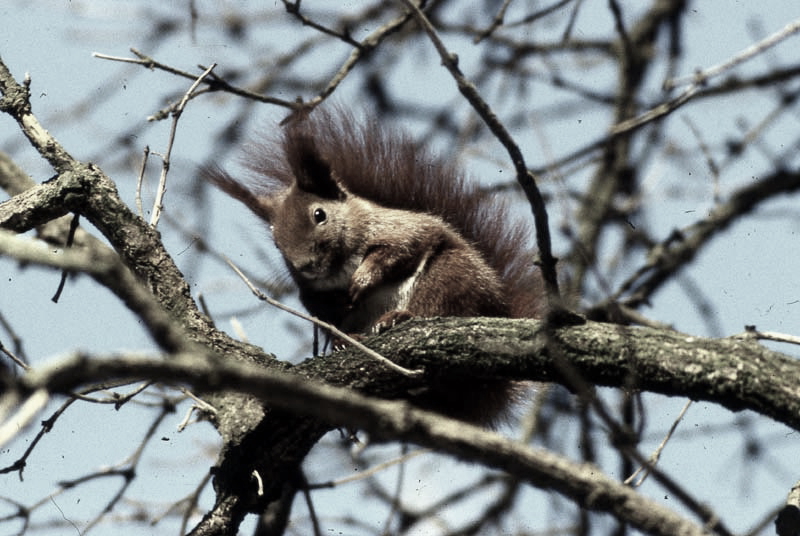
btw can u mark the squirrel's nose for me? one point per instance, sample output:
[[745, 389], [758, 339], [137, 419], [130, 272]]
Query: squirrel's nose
[[307, 269]]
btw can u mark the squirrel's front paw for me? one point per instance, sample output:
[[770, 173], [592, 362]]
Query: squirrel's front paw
[[355, 292], [390, 320], [338, 343]]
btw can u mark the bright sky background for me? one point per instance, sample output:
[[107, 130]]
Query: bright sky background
[[53, 42]]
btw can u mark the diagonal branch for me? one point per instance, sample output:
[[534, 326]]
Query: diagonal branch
[[681, 247], [84, 189], [699, 80], [105, 267], [525, 178], [15, 101]]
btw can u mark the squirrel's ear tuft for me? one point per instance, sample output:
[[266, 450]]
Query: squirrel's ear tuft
[[312, 171], [260, 206]]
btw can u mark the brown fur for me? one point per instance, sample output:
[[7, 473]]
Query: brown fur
[[375, 230]]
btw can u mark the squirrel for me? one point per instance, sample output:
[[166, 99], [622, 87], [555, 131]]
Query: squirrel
[[375, 230]]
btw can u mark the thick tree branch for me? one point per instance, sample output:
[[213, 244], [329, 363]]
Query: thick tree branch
[[736, 373], [583, 483], [86, 190]]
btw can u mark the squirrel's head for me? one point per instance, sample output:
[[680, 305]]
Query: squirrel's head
[[311, 217], [312, 222]]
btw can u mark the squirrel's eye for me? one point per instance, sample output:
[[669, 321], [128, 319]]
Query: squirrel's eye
[[319, 215]]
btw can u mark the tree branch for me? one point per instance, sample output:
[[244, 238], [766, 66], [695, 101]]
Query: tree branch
[[737, 374], [681, 247], [583, 483], [85, 189], [105, 266]]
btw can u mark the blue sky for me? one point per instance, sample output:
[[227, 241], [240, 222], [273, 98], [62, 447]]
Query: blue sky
[[750, 273]]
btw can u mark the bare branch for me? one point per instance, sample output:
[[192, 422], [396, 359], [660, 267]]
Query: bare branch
[[214, 82], [165, 158], [752, 333], [28, 411], [700, 79], [85, 189], [16, 103], [107, 268], [361, 50], [644, 470], [326, 326], [683, 245], [584, 483]]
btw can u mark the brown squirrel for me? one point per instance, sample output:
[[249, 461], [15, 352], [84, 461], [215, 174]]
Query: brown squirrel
[[375, 230]]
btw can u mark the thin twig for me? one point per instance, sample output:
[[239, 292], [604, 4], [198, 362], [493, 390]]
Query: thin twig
[[199, 405], [293, 8], [536, 15], [682, 245], [158, 205], [371, 471], [73, 226], [16, 342], [360, 51], [117, 399], [712, 164], [48, 423], [139, 61], [752, 333], [324, 325], [656, 455], [312, 513], [214, 83], [700, 79], [125, 469], [140, 181], [20, 363], [497, 21]]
